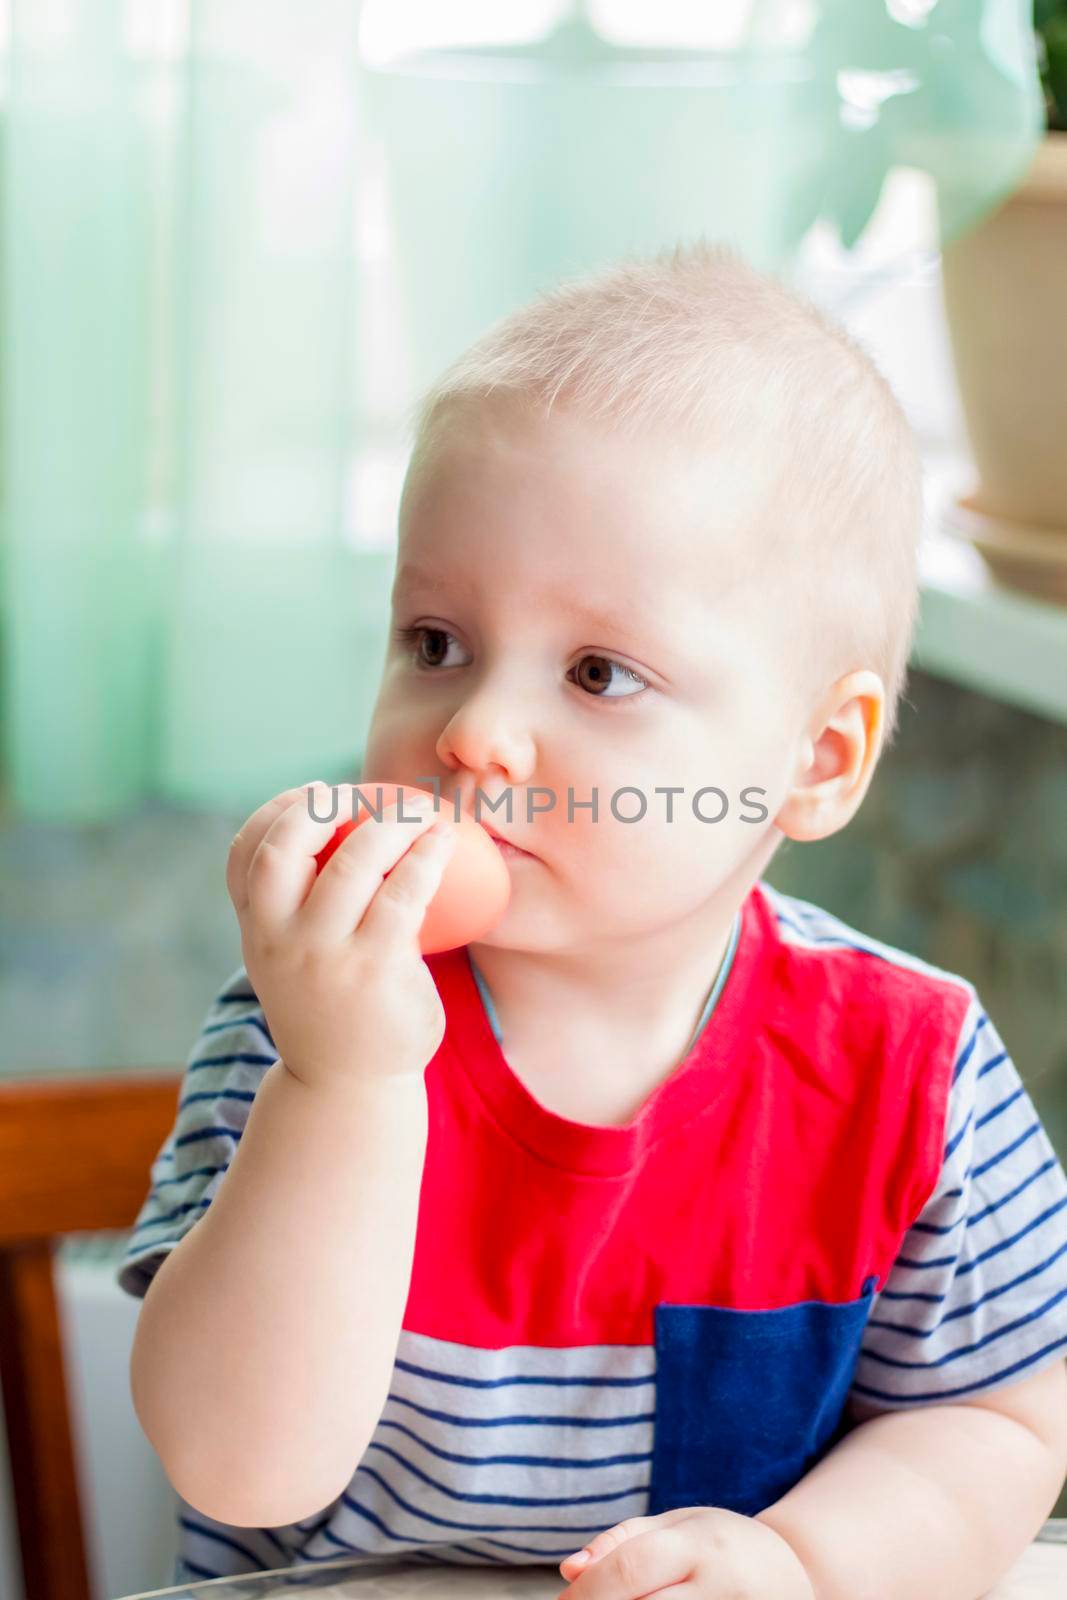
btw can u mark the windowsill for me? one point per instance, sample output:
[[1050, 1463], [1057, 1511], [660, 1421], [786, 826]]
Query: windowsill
[[976, 632]]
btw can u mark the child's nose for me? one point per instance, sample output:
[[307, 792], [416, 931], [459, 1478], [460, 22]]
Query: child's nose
[[484, 736]]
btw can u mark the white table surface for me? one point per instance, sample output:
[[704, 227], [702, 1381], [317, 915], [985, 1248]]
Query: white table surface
[[1039, 1574]]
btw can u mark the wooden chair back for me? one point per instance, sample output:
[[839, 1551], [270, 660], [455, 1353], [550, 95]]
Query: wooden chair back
[[75, 1154]]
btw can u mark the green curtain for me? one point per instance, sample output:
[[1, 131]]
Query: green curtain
[[233, 250]]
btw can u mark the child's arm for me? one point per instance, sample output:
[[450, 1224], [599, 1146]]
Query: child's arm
[[266, 1341], [957, 1491]]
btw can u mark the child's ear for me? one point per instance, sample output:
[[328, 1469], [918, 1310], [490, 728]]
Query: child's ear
[[836, 758]]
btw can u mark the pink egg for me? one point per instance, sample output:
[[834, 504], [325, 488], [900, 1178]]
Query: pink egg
[[475, 887]]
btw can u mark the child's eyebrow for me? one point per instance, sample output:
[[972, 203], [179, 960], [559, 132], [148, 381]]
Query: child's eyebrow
[[559, 599]]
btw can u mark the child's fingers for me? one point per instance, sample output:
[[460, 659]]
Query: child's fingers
[[396, 912], [248, 839], [282, 865], [353, 875]]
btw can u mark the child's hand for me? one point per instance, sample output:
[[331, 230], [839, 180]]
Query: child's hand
[[334, 959], [701, 1552]]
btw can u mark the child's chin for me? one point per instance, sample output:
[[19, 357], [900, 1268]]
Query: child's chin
[[520, 928]]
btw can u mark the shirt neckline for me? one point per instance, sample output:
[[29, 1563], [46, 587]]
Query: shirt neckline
[[709, 1004], [593, 1149]]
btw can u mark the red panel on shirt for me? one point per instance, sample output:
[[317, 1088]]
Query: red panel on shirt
[[782, 1161]]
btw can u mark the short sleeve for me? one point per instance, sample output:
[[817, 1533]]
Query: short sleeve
[[225, 1068], [977, 1296]]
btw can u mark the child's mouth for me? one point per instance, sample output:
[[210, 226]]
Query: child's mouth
[[511, 851]]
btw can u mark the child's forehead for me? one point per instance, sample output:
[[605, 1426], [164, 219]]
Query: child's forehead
[[575, 491]]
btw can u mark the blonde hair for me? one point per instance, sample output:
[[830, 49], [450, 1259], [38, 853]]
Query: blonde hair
[[697, 342]]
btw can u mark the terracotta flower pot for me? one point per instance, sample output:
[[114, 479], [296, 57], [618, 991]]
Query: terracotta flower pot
[[1004, 286]]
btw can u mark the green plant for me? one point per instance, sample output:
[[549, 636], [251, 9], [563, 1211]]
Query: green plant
[[1050, 25]]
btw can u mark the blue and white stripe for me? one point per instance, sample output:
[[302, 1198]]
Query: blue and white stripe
[[978, 1293], [501, 1457], [224, 1069]]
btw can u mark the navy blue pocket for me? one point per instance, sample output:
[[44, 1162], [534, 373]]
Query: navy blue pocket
[[748, 1401]]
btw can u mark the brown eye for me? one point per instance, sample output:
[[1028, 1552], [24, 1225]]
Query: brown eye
[[433, 646], [436, 641], [594, 674]]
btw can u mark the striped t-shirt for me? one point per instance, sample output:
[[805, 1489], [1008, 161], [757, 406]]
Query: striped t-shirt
[[842, 1189]]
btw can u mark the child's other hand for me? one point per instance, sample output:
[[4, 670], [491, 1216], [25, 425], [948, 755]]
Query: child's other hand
[[702, 1552], [334, 956]]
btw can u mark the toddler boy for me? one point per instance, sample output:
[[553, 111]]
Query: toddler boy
[[675, 1218]]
